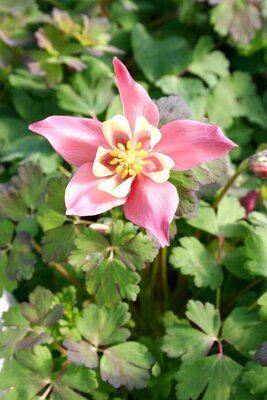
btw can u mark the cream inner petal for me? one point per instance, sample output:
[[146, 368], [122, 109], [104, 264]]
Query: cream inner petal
[[159, 167], [116, 186], [146, 133], [101, 165], [117, 130]]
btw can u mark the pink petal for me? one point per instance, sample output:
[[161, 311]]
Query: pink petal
[[152, 205], [136, 101], [82, 196], [75, 139], [190, 143], [158, 168]]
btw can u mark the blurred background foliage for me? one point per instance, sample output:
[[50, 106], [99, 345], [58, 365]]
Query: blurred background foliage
[[56, 58]]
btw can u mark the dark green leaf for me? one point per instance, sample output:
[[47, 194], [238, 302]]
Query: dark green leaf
[[159, 57], [244, 330], [111, 281], [58, 243], [212, 375], [91, 249], [21, 258], [40, 309], [126, 364]]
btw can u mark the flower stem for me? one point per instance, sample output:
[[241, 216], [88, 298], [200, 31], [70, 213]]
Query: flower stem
[[218, 298], [164, 276], [64, 171], [242, 167], [220, 348], [46, 393], [62, 271], [245, 290]]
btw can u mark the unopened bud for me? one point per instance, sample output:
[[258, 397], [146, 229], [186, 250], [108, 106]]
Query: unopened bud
[[101, 228], [249, 202], [258, 164]]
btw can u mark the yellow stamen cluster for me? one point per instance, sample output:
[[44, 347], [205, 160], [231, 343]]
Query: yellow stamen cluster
[[129, 160]]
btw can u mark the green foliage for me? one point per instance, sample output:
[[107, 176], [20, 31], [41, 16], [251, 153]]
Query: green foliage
[[193, 259], [218, 374], [182, 340], [125, 364], [111, 265], [101, 311]]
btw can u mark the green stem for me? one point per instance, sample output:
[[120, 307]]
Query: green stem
[[245, 290], [219, 258], [218, 298], [242, 167], [164, 276], [154, 275]]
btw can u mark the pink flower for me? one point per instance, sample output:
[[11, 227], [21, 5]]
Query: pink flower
[[127, 159]]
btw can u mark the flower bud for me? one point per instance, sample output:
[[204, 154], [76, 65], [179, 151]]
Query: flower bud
[[258, 164], [101, 228], [249, 202]]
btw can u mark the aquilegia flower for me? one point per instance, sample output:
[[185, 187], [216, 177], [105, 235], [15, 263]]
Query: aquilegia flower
[[127, 159]]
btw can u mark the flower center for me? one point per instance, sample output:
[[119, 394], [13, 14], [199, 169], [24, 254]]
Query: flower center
[[129, 160]]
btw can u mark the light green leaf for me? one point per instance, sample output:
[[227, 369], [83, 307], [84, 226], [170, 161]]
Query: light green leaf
[[205, 316], [76, 378], [255, 378], [262, 302], [240, 19], [229, 211], [81, 353], [126, 364], [90, 91], [102, 326], [28, 373], [181, 340], [6, 232], [207, 64], [193, 259], [205, 219], [226, 223], [16, 327], [212, 375], [256, 252]]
